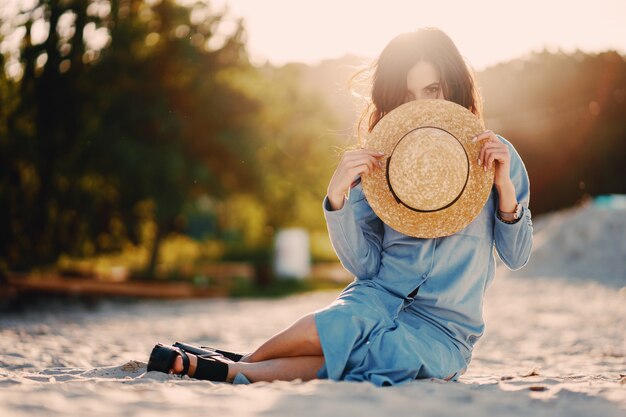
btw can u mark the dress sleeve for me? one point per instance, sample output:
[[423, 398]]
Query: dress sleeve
[[356, 233], [514, 241]]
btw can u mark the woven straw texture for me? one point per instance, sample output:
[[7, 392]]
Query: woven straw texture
[[437, 186]]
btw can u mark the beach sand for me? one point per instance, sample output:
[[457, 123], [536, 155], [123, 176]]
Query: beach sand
[[553, 345]]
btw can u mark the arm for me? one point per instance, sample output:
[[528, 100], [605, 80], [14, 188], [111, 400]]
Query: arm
[[513, 242], [356, 234]]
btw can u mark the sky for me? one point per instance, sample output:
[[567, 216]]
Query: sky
[[485, 31]]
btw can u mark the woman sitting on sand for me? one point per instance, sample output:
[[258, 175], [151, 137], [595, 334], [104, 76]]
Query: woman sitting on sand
[[415, 308]]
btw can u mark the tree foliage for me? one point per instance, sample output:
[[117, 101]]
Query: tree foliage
[[135, 111], [98, 140]]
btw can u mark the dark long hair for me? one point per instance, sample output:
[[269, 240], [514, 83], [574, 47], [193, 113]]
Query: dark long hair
[[390, 70]]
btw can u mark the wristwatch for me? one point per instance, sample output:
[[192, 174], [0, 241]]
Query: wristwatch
[[511, 218]]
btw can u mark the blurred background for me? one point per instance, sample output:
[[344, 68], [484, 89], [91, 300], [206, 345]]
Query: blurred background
[[188, 142]]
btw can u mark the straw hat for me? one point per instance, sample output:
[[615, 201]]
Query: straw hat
[[431, 184]]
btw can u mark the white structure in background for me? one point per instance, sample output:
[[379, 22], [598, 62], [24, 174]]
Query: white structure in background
[[292, 256]]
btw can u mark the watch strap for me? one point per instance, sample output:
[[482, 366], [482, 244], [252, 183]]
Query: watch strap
[[508, 221], [507, 216], [511, 217]]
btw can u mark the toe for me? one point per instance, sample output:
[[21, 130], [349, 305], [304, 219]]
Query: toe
[[178, 365]]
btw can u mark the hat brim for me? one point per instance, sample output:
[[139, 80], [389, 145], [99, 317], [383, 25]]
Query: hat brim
[[460, 123]]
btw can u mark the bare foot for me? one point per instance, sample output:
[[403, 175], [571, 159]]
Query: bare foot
[[177, 368]]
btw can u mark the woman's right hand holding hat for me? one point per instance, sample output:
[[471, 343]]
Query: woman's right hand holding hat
[[353, 163]]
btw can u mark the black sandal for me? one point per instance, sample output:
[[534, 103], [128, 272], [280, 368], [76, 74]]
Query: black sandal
[[210, 366], [162, 358], [205, 350]]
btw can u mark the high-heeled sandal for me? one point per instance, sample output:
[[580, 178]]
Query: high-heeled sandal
[[206, 350], [212, 367]]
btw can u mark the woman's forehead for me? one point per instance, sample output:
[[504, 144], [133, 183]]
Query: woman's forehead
[[421, 75]]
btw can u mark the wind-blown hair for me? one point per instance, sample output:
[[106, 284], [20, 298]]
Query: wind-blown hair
[[389, 89]]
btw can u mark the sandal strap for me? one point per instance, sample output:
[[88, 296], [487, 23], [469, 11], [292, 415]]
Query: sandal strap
[[198, 351], [212, 369], [235, 357], [208, 351]]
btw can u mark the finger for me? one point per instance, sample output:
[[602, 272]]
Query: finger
[[359, 170], [349, 170], [481, 154], [491, 144], [375, 152], [380, 161], [361, 167], [371, 165], [361, 152], [372, 161], [484, 135], [487, 155], [495, 156], [486, 147], [489, 139]]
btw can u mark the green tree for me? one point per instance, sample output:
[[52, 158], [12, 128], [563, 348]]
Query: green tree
[[100, 139]]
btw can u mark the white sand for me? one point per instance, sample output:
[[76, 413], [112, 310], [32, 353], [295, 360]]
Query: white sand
[[581, 244], [553, 346]]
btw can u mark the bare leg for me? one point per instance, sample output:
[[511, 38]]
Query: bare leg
[[284, 369], [300, 339]]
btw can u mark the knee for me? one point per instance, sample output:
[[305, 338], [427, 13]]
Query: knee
[[309, 328]]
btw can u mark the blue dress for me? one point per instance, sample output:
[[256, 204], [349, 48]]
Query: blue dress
[[414, 309]]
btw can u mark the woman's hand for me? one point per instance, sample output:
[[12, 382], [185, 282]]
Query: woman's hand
[[353, 163], [494, 152]]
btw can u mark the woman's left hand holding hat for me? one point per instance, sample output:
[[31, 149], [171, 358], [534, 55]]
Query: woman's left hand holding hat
[[495, 152]]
